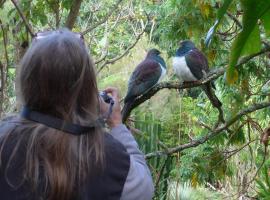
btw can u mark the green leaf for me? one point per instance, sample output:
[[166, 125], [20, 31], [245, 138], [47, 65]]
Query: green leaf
[[266, 22], [237, 137], [221, 12], [253, 10], [261, 185], [253, 42], [43, 19], [267, 179]]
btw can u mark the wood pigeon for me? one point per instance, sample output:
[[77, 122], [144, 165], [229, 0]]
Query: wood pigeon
[[190, 64], [145, 76]]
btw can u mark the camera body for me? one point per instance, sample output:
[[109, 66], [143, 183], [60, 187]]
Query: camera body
[[107, 99]]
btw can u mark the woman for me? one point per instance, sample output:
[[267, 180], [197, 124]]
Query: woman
[[56, 148]]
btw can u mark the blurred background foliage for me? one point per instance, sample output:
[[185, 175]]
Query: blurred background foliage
[[118, 33]]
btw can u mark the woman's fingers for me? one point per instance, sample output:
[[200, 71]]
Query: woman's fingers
[[115, 117]]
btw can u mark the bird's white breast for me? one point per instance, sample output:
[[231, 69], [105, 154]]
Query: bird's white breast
[[163, 73], [181, 69]]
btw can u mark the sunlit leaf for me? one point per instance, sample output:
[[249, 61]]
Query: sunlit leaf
[[194, 180], [245, 86], [205, 9], [253, 10], [231, 75], [253, 42]]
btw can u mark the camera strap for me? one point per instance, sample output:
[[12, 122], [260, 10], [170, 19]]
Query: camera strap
[[56, 123], [109, 112]]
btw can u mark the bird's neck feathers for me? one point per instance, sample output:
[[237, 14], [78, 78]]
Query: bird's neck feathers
[[158, 59], [182, 51]]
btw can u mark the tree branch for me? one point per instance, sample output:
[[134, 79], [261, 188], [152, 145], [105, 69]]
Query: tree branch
[[5, 48], [55, 8], [168, 85], [104, 19], [138, 37], [2, 3], [111, 61], [214, 74], [210, 135], [28, 27], [235, 19], [2, 69], [73, 13]]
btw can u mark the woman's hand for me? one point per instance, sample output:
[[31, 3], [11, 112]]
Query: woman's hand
[[115, 118]]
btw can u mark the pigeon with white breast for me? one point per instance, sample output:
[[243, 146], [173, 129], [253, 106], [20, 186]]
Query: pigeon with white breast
[[190, 64]]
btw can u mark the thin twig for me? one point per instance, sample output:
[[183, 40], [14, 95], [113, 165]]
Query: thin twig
[[2, 3], [5, 48], [210, 135], [259, 168], [138, 37], [161, 172], [104, 19], [2, 68], [28, 27], [214, 74], [235, 20], [168, 85], [73, 13]]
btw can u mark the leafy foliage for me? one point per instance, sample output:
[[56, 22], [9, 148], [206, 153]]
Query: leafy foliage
[[263, 185], [169, 119]]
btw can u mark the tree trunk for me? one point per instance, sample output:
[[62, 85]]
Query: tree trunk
[[73, 13]]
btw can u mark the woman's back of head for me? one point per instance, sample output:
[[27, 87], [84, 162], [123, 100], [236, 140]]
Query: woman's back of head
[[57, 78]]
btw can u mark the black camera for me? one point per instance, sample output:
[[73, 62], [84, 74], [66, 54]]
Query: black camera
[[106, 97]]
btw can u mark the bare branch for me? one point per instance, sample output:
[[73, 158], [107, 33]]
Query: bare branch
[[55, 7], [235, 19], [5, 47], [2, 3], [248, 58], [214, 74], [2, 69], [161, 171], [168, 85], [204, 125], [210, 135], [116, 21], [73, 13], [111, 61], [28, 27], [104, 19], [105, 48], [103, 56], [235, 151]]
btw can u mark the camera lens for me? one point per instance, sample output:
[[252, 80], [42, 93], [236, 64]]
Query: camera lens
[[105, 97]]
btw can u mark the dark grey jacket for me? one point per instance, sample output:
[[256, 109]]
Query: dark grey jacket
[[126, 176]]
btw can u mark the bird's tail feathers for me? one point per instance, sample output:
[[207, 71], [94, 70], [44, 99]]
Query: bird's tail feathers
[[126, 111], [211, 95], [213, 84], [128, 98]]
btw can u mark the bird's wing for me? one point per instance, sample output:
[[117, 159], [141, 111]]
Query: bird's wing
[[144, 77], [197, 63]]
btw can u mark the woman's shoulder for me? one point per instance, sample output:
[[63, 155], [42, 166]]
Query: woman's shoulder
[[114, 147], [8, 123], [116, 153]]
